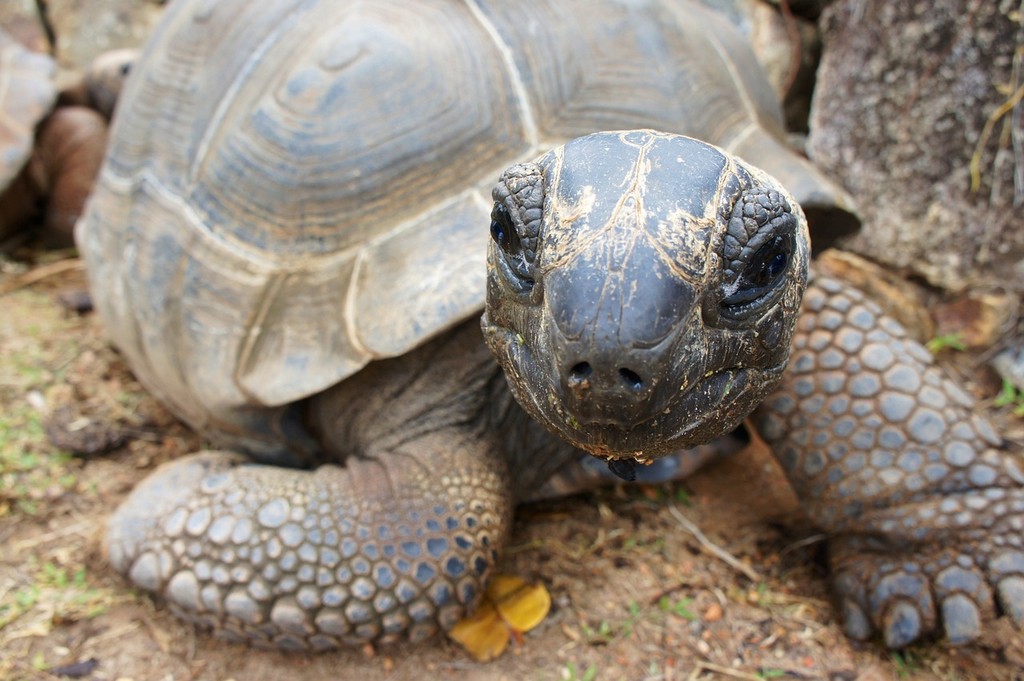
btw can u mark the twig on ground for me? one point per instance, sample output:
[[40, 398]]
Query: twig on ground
[[725, 671], [713, 548], [37, 274]]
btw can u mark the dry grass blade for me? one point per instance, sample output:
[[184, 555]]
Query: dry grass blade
[[724, 671], [1002, 110], [37, 274]]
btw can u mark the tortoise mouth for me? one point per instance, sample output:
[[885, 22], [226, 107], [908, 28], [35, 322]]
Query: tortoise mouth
[[695, 415], [708, 408]]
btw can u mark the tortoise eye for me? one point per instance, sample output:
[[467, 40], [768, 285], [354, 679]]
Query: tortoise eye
[[768, 263], [514, 257], [762, 272], [502, 229], [758, 248]]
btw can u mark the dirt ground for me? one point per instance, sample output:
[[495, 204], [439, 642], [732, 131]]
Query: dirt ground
[[636, 594]]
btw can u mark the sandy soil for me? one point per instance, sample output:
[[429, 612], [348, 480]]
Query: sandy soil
[[636, 594]]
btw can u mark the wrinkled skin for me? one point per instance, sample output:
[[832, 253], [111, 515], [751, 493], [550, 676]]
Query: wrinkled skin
[[69, 152], [56, 180], [642, 297], [102, 83]]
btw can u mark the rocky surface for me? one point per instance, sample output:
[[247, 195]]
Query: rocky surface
[[75, 32], [918, 112]]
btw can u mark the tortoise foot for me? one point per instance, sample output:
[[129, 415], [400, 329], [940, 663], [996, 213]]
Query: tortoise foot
[[949, 584], [305, 560]]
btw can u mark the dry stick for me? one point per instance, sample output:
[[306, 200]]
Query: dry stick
[[713, 548], [726, 671], [39, 273]]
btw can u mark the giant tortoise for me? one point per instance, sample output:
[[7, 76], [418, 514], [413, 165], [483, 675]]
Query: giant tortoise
[[288, 245]]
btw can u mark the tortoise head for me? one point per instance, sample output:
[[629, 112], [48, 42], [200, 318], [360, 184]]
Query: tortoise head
[[642, 290]]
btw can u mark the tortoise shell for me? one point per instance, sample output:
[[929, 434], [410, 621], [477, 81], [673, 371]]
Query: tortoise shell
[[297, 188], [27, 95]]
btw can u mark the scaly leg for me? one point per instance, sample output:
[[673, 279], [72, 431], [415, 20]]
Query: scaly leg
[[923, 502], [399, 540]]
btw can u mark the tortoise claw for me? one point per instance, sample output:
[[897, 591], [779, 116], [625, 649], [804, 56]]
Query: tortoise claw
[[961, 619], [879, 594], [856, 624], [890, 599], [966, 602], [1008, 575], [1011, 597], [950, 592], [276, 557], [901, 625], [901, 603]]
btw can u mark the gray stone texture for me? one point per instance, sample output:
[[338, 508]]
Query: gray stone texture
[[905, 91]]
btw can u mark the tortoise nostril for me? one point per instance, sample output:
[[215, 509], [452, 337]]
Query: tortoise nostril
[[631, 379], [580, 372], [584, 376]]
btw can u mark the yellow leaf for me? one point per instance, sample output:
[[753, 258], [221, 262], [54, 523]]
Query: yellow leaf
[[483, 634], [510, 606], [523, 606], [502, 586]]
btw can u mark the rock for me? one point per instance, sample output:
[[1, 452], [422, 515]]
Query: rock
[[977, 320], [72, 432], [907, 94], [1009, 364], [87, 28]]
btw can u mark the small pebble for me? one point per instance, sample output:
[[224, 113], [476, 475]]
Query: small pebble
[[713, 613]]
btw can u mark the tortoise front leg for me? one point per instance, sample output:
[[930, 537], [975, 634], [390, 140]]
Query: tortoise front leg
[[397, 545], [923, 503], [397, 540]]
